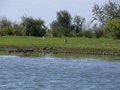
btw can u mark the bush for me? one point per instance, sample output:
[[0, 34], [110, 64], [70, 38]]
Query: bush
[[87, 34], [18, 30], [80, 34], [33, 27], [98, 32], [48, 34], [58, 31], [6, 31], [114, 27], [71, 34]]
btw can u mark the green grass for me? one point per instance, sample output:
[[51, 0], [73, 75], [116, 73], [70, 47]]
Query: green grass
[[73, 42]]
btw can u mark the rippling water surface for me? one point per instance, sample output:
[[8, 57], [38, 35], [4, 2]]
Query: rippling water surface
[[52, 73]]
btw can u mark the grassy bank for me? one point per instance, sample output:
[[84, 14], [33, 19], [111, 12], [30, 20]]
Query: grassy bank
[[75, 44]]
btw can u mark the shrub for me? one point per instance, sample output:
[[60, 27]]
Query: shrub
[[114, 27], [98, 32], [33, 27], [58, 31], [6, 31], [80, 34], [71, 34], [87, 33]]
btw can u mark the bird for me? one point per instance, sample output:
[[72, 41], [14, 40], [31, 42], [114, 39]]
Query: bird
[[65, 40]]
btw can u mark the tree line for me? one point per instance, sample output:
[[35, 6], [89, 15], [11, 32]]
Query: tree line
[[28, 27], [107, 16]]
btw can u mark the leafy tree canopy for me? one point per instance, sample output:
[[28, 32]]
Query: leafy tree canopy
[[33, 27], [113, 27], [4, 22], [106, 12], [64, 18], [78, 21]]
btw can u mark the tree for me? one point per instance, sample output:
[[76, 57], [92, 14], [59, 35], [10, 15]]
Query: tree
[[87, 33], [4, 22], [58, 31], [113, 27], [98, 14], [63, 22], [33, 27], [78, 22], [98, 31], [17, 29], [106, 12], [54, 24], [6, 31], [112, 10], [64, 18]]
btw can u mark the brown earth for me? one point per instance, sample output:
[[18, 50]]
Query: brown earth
[[9, 49]]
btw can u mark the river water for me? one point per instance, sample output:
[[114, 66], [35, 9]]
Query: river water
[[59, 73]]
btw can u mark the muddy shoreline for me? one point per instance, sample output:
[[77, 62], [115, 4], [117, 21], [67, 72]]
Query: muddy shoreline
[[114, 52]]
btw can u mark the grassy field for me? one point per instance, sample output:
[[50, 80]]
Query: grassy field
[[73, 42]]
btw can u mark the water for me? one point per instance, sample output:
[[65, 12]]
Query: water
[[52, 73]]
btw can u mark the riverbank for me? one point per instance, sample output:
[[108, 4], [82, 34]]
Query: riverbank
[[114, 52], [75, 45]]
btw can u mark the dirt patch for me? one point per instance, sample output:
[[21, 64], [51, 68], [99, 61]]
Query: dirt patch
[[62, 50], [91, 51]]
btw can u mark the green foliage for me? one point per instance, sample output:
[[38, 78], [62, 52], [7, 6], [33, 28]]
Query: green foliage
[[48, 34], [71, 34], [5, 27], [6, 31], [64, 22], [33, 27], [29, 27], [87, 33], [106, 12], [58, 31], [18, 30], [4, 22], [112, 10], [113, 27], [65, 25], [64, 18], [98, 31], [98, 14], [61, 26], [54, 24], [80, 34], [78, 23], [9, 28]]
